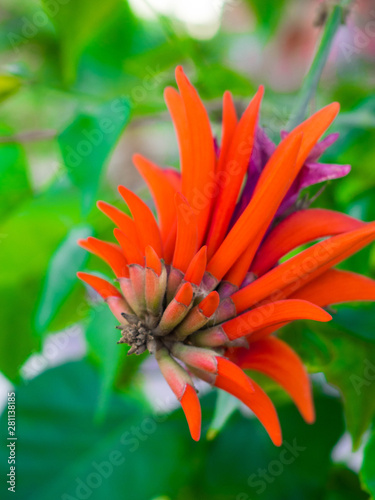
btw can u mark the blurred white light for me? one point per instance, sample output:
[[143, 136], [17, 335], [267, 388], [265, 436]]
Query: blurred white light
[[200, 17]]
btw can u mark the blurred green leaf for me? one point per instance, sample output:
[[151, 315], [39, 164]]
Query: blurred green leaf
[[360, 321], [133, 454], [77, 23], [9, 84], [14, 185], [344, 484], [347, 364], [102, 339], [61, 276], [368, 466], [215, 79], [268, 13], [225, 406], [28, 238], [87, 143]]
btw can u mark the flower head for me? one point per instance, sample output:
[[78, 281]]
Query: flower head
[[201, 286]]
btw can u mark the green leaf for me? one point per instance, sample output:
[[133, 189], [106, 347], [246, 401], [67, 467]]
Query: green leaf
[[344, 484], [28, 239], [77, 23], [225, 406], [360, 321], [268, 13], [63, 453], [87, 143], [102, 338], [61, 276], [347, 363], [368, 467], [14, 185], [9, 85]]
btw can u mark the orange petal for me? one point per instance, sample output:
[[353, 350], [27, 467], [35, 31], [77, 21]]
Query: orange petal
[[109, 252], [277, 360], [247, 233], [209, 304], [101, 286], [313, 128], [229, 375], [122, 221], [147, 228], [153, 261], [291, 275], [297, 229], [162, 190], [264, 409], [197, 267], [261, 405], [185, 294], [192, 409], [198, 317], [182, 386], [187, 234], [229, 124], [232, 173], [174, 177], [176, 108], [334, 287], [202, 145], [273, 314], [131, 252]]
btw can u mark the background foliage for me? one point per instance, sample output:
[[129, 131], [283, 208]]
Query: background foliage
[[81, 89]]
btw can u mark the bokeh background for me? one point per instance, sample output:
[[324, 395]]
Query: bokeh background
[[81, 89]]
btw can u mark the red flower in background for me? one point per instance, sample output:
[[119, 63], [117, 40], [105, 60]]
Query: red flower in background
[[202, 284]]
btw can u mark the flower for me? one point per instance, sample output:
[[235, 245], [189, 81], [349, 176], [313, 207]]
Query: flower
[[202, 289]]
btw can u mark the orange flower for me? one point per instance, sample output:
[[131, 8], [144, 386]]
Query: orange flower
[[203, 287]]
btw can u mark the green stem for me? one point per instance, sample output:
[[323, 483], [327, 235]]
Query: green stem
[[312, 78]]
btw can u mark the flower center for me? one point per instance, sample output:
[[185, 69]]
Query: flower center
[[137, 335]]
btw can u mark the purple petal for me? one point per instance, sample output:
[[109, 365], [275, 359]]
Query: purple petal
[[312, 173], [321, 146]]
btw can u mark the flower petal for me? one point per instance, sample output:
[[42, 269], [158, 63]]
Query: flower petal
[[197, 267], [177, 111], [192, 409], [229, 124], [125, 223], [131, 252], [143, 218], [291, 275], [299, 228], [232, 173], [273, 314], [162, 190], [176, 310], [245, 236], [101, 286], [182, 386], [109, 252], [198, 317], [203, 152], [187, 234], [276, 359], [334, 287]]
